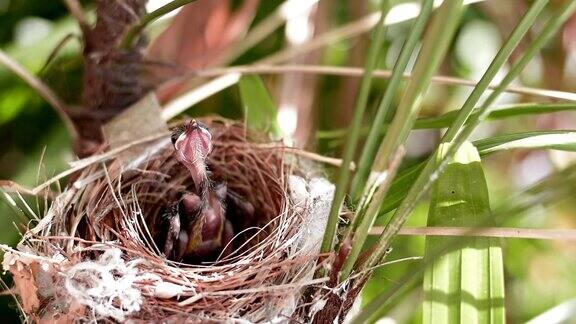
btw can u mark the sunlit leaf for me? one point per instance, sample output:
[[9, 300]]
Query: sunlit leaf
[[564, 140], [464, 285], [445, 120], [373, 189], [376, 133], [372, 56], [259, 110], [508, 111], [12, 103]]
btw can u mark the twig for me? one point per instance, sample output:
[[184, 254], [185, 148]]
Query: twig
[[320, 158], [349, 30], [196, 95], [150, 17], [362, 221], [360, 26], [227, 77], [42, 90], [503, 232], [387, 263], [76, 166], [297, 285], [16, 300], [84, 163], [396, 15], [13, 187], [76, 11], [357, 72], [290, 150]]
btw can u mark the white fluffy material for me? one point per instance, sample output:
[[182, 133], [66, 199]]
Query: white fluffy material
[[312, 199], [108, 286]]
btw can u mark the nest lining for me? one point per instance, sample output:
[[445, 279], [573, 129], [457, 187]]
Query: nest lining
[[92, 257]]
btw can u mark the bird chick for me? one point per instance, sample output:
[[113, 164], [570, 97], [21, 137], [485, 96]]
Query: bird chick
[[196, 225], [193, 144]]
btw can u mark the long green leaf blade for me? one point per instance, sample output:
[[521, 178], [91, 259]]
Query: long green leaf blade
[[513, 40], [498, 113], [375, 136], [354, 131], [434, 46], [554, 188], [446, 119], [457, 135], [259, 110], [464, 285], [562, 140]]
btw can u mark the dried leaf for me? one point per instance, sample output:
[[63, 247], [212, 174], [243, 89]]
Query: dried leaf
[[141, 120], [27, 288], [569, 35], [199, 36]]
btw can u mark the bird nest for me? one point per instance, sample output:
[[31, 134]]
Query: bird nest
[[94, 254]]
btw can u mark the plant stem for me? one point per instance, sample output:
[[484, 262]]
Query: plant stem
[[349, 30], [501, 57], [349, 71], [135, 30], [360, 107], [553, 188], [444, 120], [434, 46], [374, 137], [76, 11], [501, 232], [367, 215], [430, 172], [267, 26], [43, 90]]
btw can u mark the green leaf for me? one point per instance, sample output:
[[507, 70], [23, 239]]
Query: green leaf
[[508, 111], [399, 188], [372, 57], [436, 42], [563, 140], [462, 127], [259, 110], [375, 135], [464, 285], [12, 102], [445, 120], [554, 188]]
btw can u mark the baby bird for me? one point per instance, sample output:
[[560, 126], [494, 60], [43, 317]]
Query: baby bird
[[193, 144], [196, 225]]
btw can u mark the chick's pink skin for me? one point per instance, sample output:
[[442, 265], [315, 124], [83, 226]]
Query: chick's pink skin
[[192, 148], [204, 211], [207, 229]]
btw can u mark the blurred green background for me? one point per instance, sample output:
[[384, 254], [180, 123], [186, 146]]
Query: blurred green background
[[539, 274]]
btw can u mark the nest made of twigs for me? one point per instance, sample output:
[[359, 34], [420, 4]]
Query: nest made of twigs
[[92, 257]]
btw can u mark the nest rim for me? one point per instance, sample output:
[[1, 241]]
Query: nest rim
[[171, 301]]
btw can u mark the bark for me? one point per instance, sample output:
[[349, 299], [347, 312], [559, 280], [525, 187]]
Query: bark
[[113, 76]]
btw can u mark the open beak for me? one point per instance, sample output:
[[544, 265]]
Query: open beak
[[193, 144]]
